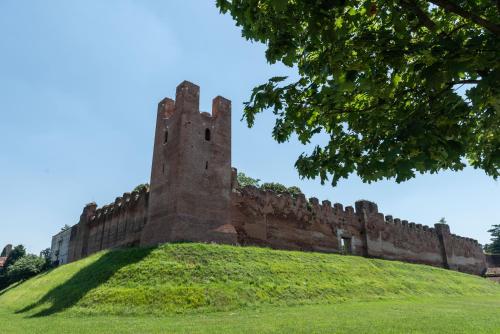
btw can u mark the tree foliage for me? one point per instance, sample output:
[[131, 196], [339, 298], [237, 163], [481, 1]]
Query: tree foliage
[[244, 180], [400, 87], [294, 190], [274, 186], [26, 267], [17, 252], [46, 256], [494, 247], [20, 266], [281, 189], [142, 187], [65, 227]]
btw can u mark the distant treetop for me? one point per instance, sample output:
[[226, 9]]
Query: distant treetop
[[142, 187], [65, 227], [244, 180]]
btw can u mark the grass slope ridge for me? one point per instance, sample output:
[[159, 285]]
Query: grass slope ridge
[[178, 278]]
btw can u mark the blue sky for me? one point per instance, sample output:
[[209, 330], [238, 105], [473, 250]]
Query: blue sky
[[79, 84]]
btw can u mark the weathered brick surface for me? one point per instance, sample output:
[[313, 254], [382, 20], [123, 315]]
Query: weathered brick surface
[[194, 196], [191, 173], [280, 221], [493, 260], [118, 224]]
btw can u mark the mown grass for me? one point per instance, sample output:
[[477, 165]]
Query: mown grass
[[201, 278], [451, 315]]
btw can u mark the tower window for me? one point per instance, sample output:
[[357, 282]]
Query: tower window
[[206, 164], [165, 138], [207, 134]]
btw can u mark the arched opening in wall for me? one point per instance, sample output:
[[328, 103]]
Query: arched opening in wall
[[165, 137], [207, 134]]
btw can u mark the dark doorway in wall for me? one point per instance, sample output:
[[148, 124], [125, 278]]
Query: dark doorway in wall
[[207, 134], [346, 245]]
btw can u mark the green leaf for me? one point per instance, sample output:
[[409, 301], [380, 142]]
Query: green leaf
[[381, 84], [279, 5]]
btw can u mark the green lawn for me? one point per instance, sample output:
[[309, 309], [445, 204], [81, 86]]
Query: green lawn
[[430, 315], [200, 288]]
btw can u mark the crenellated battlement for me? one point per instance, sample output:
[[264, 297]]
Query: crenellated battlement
[[281, 220], [285, 205], [122, 203], [187, 101], [408, 226], [194, 196], [266, 201], [116, 224], [308, 210]]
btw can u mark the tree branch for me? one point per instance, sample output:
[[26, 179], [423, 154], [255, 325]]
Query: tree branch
[[423, 19], [456, 29], [454, 8], [461, 82]]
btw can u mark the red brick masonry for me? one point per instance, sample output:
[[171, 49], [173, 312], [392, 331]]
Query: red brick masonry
[[194, 196]]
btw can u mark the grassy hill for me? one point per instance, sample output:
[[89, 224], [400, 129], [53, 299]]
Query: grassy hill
[[201, 278]]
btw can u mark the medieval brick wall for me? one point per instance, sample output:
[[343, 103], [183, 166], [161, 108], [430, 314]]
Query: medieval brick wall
[[285, 222], [493, 260], [118, 224], [194, 196]]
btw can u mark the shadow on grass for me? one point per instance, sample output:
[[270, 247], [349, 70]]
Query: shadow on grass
[[88, 278], [18, 283], [10, 287]]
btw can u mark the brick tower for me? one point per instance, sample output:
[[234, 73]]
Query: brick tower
[[190, 189]]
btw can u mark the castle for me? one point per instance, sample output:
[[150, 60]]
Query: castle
[[194, 196]]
